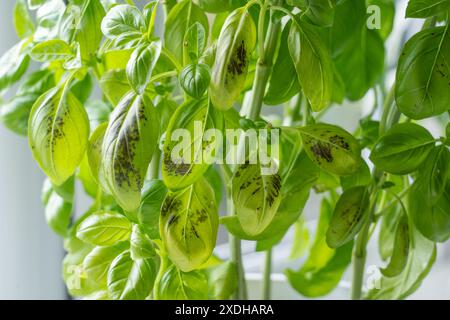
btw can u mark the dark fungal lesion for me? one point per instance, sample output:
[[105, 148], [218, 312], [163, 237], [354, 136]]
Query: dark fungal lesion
[[238, 61], [175, 168], [339, 141], [322, 151], [273, 188]]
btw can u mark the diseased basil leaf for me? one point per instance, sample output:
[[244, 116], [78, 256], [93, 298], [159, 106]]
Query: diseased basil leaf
[[235, 45], [130, 279], [423, 74], [187, 160], [104, 229], [256, 197], [402, 149], [332, 148], [188, 225], [128, 146], [58, 133]]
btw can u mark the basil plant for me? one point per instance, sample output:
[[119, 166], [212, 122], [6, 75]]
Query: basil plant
[[112, 92]]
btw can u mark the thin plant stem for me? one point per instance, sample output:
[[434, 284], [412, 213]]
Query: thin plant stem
[[267, 284]]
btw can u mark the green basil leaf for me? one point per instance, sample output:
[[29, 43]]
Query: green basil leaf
[[96, 264], [180, 19], [128, 147], [51, 50], [13, 64], [283, 83], [433, 221], [362, 177], [324, 267], [423, 74], [82, 88], [189, 224], [320, 12], [195, 79], [426, 8], [235, 45], [400, 250], [98, 112], [94, 153], [350, 214], [190, 164], [141, 65], [433, 174], [58, 209], [153, 195], [195, 41], [420, 260], [130, 279], [300, 243], [217, 6], [35, 4], [389, 221], [87, 26], [22, 20], [37, 82], [58, 132], [358, 53], [402, 149], [125, 25], [104, 229], [332, 148], [387, 11], [15, 113], [178, 285], [256, 197], [222, 280], [114, 85], [141, 245]]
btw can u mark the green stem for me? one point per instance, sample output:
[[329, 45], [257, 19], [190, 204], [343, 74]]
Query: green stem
[[267, 273], [162, 269], [236, 256]]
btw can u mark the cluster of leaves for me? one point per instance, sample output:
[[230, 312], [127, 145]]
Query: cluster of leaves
[[146, 237]]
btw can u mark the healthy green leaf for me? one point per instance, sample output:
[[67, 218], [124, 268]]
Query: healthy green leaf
[[153, 195], [320, 12], [400, 250], [283, 83], [222, 281], [114, 85], [180, 19], [51, 50], [178, 285], [423, 74], [362, 177], [104, 229], [235, 45], [402, 149], [13, 64], [125, 25], [188, 225], [130, 279], [141, 65], [195, 41], [141, 245], [96, 264], [324, 268], [127, 149], [332, 148], [433, 174], [195, 79], [58, 133], [22, 20], [426, 8], [217, 6]]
